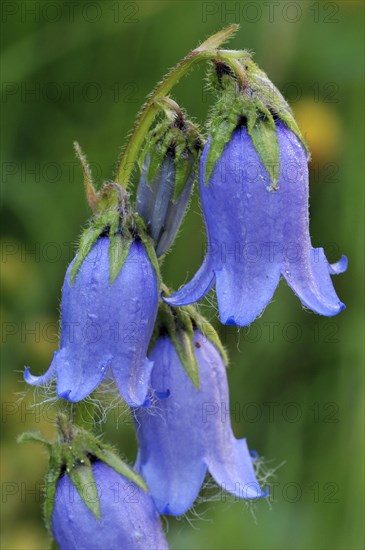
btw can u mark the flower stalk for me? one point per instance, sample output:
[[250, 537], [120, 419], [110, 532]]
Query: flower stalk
[[207, 51]]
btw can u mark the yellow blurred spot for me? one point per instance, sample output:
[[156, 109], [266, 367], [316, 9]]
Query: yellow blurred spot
[[321, 126]]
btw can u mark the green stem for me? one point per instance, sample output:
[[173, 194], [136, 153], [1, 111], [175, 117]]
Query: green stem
[[205, 52]]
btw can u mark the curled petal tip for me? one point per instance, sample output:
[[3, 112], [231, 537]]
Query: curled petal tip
[[253, 491], [162, 394], [38, 380], [65, 394], [339, 267], [254, 455]]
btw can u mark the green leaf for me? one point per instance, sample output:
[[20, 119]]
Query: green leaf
[[118, 252], [112, 459], [82, 477], [265, 141]]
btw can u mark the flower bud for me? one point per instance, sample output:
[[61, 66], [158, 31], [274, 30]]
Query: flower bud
[[168, 173]]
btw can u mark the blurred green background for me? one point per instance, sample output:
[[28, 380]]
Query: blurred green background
[[81, 70]]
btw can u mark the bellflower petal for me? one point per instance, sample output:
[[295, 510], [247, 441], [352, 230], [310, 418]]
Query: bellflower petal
[[128, 517], [195, 289], [186, 434], [257, 233], [106, 328]]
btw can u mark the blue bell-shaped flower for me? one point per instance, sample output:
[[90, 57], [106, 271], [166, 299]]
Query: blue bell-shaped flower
[[128, 517], [106, 326], [258, 231], [187, 431]]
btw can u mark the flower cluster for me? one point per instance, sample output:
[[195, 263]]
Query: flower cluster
[[120, 323]]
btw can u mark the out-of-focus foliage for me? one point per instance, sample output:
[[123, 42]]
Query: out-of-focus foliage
[[74, 70]]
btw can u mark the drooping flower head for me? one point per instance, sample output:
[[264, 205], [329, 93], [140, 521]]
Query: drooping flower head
[[187, 432], [128, 517], [255, 201], [109, 305]]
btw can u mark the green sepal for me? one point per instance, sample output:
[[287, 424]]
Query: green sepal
[[73, 454], [87, 240], [118, 252], [183, 339], [265, 141], [184, 168], [55, 466], [140, 230], [220, 138], [231, 108], [54, 545], [112, 209], [209, 331], [175, 135], [271, 97], [52, 477], [156, 158], [81, 475], [33, 437], [257, 105], [113, 460], [178, 325]]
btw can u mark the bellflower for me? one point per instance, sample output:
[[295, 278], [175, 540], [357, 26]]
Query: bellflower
[[258, 232], [187, 431], [106, 327], [128, 517]]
